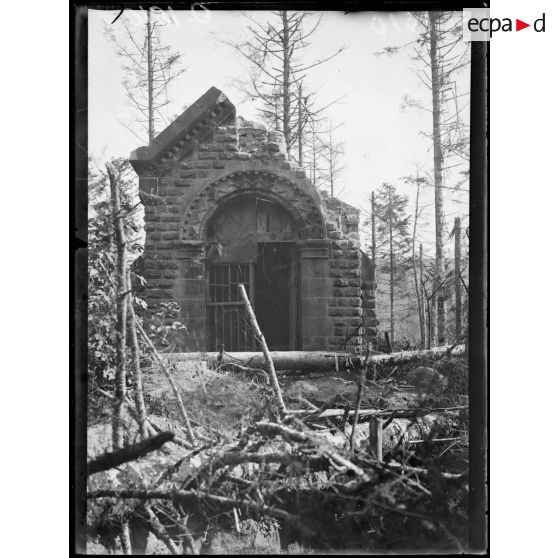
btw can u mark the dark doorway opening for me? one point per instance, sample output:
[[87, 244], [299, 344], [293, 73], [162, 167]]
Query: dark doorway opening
[[251, 240], [276, 294]]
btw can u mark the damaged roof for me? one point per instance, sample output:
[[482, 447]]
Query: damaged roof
[[185, 127]]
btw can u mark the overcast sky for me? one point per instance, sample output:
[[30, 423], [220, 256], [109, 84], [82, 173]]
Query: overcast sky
[[383, 143]]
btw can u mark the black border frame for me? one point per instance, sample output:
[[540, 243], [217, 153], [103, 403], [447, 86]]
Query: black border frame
[[478, 247]]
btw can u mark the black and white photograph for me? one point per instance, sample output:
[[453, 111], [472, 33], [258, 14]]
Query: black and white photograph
[[284, 327]]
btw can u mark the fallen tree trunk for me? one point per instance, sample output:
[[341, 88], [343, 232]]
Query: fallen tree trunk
[[392, 413], [395, 433], [282, 360], [313, 360], [129, 453]]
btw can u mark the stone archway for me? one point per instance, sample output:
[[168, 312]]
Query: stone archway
[[302, 207], [252, 238]]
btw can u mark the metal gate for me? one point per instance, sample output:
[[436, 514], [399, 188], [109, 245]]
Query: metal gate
[[227, 320]]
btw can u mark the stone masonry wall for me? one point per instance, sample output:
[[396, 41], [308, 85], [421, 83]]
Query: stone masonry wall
[[345, 304], [181, 191]]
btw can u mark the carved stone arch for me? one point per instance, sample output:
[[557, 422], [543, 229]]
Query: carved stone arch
[[303, 208]]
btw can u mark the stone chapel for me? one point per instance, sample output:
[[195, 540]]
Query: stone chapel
[[224, 205]]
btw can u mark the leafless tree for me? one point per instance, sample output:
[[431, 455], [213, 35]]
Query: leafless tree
[[418, 180], [441, 53], [274, 50], [150, 67], [332, 154]]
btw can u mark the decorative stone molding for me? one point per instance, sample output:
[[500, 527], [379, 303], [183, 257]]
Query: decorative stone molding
[[305, 211]]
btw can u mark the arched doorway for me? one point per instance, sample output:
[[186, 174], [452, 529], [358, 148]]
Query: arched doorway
[[251, 240]]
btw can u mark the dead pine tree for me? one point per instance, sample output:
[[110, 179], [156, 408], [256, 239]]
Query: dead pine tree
[[438, 177], [275, 51], [425, 323], [136, 367], [121, 309], [418, 285], [393, 236], [333, 151], [121, 314], [446, 54], [150, 67], [441, 53]]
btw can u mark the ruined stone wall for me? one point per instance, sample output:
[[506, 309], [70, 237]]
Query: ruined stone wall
[[180, 193], [345, 304]]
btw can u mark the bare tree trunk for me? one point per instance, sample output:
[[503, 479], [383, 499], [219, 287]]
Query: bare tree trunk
[[373, 225], [331, 161], [391, 271], [360, 389], [286, 81], [134, 348], [300, 126], [121, 311], [457, 278], [125, 538], [150, 111], [174, 387], [422, 304], [439, 302], [418, 288], [314, 157], [160, 531]]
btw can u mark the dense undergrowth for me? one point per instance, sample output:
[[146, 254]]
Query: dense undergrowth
[[424, 508]]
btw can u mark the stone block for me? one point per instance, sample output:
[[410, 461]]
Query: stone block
[[183, 183], [225, 138], [347, 292]]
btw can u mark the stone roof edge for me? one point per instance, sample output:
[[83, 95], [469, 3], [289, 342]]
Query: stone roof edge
[[183, 124]]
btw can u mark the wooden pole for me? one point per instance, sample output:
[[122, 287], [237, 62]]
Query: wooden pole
[[183, 413], [360, 389], [376, 437], [388, 342], [137, 375], [267, 357], [125, 538], [121, 310]]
